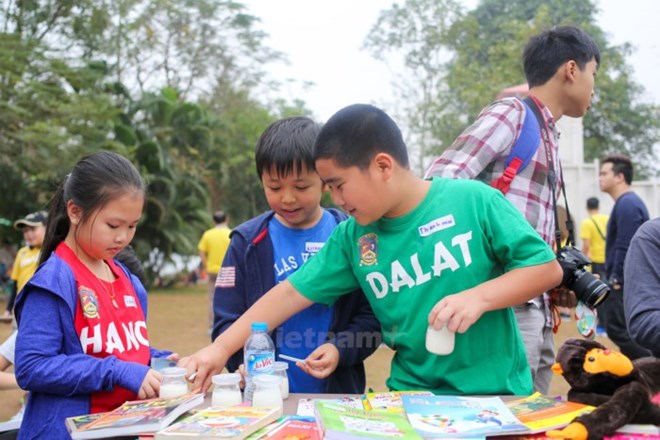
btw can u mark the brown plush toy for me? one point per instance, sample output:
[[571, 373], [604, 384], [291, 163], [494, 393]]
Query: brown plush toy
[[623, 391]]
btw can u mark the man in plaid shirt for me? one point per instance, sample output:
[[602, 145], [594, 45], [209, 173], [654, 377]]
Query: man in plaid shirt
[[560, 65]]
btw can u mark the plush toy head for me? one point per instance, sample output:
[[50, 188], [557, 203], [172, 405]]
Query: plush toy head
[[621, 389], [581, 360]]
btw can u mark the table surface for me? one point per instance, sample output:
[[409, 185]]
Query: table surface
[[291, 403]]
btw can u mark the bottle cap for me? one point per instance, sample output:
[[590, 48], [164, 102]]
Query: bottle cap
[[173, 371], [281, 366], [226, 379], [259, 326], [266, 379]]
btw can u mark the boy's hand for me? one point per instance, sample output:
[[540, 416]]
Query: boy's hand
[[458, 311], [150, 385], [203, 364], [563, 297], [243, 373], [173, 357], [322, 362]]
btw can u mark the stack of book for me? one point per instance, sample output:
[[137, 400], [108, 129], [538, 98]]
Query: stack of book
[[407, 415], [133, 417]]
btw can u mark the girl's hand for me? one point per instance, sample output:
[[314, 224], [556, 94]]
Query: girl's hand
[[173, 357], [322, 362], [150, 385]]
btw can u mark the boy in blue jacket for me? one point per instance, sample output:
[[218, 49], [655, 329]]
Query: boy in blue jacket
[[334, 340]]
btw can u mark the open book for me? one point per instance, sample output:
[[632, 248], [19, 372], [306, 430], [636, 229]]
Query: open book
[[132, 417], [453, 416], [542, 413], [226, 423], [340, 422]]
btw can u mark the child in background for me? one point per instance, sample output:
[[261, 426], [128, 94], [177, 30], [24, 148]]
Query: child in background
[[440, 252], [25, 263], [82, 344], [267, 249]]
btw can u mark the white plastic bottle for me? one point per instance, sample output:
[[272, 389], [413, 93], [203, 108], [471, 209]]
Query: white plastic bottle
[[258, 356]]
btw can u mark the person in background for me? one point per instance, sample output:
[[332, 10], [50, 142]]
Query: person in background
[[560, 65], [421, 258], [25, 263], [628, 214], [642, 299], [8, 382], [82, 345], [592, 233], [212, 248], [267, 249]]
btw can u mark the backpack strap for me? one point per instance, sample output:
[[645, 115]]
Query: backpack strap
[[598, 228], [522, 152]]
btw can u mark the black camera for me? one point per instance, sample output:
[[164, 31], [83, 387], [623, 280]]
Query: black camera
[[589, 289]]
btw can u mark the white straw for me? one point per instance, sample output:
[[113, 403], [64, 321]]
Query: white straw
[[291, 358]]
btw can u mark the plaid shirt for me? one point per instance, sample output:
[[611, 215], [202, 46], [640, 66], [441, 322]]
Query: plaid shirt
[[480, 151]]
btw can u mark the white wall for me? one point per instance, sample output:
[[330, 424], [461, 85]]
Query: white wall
[[581, 178]]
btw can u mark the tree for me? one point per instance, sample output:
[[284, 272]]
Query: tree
[[165, 137], [485, 47]]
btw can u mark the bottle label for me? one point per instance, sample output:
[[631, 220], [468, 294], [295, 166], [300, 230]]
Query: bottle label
[[260, 363]]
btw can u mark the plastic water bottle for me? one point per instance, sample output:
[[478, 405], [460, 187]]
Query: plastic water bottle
[[258, 356]]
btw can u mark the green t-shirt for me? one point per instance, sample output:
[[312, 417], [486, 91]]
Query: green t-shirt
[[462, 234]]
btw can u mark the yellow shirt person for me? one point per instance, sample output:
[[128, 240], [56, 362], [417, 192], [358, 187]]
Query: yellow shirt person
[[212, 248], [592, 233]]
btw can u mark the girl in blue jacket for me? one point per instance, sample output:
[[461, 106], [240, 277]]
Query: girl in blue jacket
[[82, 344]]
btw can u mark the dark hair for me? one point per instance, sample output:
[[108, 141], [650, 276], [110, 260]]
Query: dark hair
[[287, 145], [545, 52], [94, 181], [621, 164], [219, 217], [128, 258], [355, 134], [592, 203]]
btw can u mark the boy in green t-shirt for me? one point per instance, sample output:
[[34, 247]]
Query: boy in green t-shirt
[[440, 252]]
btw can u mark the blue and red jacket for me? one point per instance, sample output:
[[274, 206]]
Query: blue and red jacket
[[50, 362], [251, 254]]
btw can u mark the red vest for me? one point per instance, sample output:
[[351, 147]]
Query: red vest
[[105, 329]]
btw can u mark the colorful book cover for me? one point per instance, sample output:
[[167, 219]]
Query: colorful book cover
[[340, 422], [542, 413], [389, 401], [306, 406], [236, 422], [79, 422], [294, 429], [452, 416], [133, 417]]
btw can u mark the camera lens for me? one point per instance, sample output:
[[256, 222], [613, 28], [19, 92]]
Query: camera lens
[[589, 289]]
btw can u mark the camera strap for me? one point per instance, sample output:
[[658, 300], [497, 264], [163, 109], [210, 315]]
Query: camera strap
[[535, 105]]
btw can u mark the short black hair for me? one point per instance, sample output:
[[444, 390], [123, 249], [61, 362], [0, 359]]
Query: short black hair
[[621, 164], [592, 203], [545, 52], [287, 144], [355, 134], [219, 217]]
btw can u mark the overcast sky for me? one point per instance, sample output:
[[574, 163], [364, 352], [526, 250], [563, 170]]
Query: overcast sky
[[314, 34]]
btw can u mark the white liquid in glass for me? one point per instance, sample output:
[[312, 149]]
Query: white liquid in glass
[[224, 397], [267, 396], [284, 386], [440, 341], [173, 390]]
